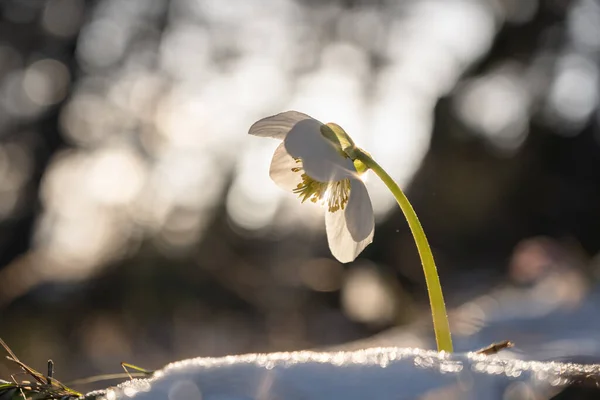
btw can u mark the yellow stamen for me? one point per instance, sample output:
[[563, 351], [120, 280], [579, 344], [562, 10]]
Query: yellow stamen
[[333, 194]]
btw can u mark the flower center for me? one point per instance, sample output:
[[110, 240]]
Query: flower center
[[333, 194]]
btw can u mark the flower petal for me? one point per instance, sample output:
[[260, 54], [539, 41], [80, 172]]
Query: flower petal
[[342, 245], [281, 169], [320, 158], [359, 211], [277, 126]]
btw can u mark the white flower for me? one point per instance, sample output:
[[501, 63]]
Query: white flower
[[315, 168]]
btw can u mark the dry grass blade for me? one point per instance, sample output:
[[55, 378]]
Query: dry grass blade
[[144, 372], [45, 387], [107, 377], [141, 373], [495, 347]]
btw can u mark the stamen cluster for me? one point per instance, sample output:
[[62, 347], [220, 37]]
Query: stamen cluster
[[333, 194]]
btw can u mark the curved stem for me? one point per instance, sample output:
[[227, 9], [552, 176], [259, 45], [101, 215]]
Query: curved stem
[[436, 298]]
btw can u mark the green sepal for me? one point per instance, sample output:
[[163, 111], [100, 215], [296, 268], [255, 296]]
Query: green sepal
[[338, 136], [360, 166]]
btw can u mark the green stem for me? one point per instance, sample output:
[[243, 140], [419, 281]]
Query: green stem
[[436, 298]]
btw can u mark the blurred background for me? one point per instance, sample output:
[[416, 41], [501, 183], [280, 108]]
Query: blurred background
[[138, 222]]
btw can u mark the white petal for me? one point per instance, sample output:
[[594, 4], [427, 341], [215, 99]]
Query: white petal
[[342, 245], [277, 126], [359, 211], [320, 158], [281, 169]]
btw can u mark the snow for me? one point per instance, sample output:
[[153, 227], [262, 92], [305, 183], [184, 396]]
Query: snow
[[376, 373]]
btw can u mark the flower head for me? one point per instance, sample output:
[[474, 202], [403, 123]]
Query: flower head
[[311, 162]]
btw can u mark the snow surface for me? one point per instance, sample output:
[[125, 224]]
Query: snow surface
[[376, 373]]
